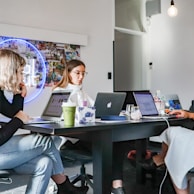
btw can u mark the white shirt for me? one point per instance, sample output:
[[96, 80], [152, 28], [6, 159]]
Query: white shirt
[[77, 95]]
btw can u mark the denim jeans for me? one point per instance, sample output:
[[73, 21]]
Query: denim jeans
[[32, 154]]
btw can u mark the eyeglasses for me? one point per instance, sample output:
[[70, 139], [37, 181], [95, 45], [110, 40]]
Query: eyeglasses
[[78, 73]]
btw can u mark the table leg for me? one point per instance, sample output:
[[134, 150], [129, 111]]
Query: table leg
[[141, 150], [102, 162]]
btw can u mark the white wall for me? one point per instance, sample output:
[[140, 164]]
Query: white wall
[[86, 17], [170, 43], [172, 51]]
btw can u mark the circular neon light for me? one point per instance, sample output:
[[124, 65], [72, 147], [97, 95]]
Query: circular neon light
[[21, 46]]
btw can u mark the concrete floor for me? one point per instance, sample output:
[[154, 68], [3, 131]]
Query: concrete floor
[[129, 174], [18, 185]]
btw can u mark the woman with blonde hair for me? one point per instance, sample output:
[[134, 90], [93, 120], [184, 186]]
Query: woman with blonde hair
[[32, 154]]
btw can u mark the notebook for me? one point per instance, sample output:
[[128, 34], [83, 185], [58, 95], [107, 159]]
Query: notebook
[[109, 104], [147, 106], [53, 110]]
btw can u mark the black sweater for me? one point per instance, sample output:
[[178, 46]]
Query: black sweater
[[9, 109]]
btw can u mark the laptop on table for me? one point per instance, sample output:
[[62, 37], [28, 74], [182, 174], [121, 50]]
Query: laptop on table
[[53, 110], [147, 106], [109, 105], [172, 101], [130, 98]]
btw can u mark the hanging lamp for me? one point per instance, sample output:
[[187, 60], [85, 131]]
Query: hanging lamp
[[172, 10]]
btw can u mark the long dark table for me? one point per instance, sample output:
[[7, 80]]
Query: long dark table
[[102, 136]]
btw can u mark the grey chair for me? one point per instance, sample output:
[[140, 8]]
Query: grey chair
[[190, 174], [5, 176], [76, 155]]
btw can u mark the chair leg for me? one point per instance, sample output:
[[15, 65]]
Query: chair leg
[[77, 179], [83, 172], [88, 178], [83, 177]]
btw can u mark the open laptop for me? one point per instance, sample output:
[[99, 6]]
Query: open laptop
[[129, 97], [109, 104], [172, 101], [53, 109], [147, 106]]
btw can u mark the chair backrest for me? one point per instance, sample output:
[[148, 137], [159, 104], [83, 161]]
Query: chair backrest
[[190, 174], [192, 106]]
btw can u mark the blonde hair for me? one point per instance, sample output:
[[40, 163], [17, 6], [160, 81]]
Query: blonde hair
[[10, 63], [68, 68]]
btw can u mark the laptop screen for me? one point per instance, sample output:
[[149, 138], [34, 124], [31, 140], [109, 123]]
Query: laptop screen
[[129, 97], [146, 103], [53, 108]]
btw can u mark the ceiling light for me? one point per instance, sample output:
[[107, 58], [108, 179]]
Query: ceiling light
[[172, 10]]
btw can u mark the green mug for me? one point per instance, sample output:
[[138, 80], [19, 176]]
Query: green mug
[[69, 113]]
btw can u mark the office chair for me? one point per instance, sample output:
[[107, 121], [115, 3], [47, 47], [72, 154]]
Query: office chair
[[77, 155], [5, 176], [190, 174]]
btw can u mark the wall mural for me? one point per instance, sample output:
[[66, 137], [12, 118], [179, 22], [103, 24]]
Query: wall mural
[[45, 61]]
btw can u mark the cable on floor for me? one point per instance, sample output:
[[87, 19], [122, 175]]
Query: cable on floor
[[166, 172], [161, 184]]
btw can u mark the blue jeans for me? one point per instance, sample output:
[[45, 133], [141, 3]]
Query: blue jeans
[[32, 154]]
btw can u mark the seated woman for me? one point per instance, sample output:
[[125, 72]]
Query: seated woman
[[32, 154], [177, 153], [73, 76], [72, 80]]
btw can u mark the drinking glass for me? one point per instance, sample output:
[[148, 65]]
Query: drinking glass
[[135, 113], [129, 107]]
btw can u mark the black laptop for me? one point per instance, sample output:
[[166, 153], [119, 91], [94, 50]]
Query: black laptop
[[109, 104]]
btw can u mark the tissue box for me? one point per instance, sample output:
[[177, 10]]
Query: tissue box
[[85, 115]]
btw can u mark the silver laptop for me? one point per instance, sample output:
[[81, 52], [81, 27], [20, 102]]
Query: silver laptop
[[109, 103], [53, 110], [147, 106]]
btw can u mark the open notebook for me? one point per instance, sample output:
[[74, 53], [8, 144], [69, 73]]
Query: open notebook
[[53, 109]]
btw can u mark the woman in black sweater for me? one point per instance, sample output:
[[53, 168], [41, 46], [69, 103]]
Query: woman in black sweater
[[32, 154]]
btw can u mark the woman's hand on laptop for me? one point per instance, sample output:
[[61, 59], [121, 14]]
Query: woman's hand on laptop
[[22, 116], [179, 113]]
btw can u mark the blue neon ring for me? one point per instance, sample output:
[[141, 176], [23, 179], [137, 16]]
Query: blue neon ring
[[42, 60]]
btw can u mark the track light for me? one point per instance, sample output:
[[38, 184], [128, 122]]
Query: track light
[[172, 10]]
